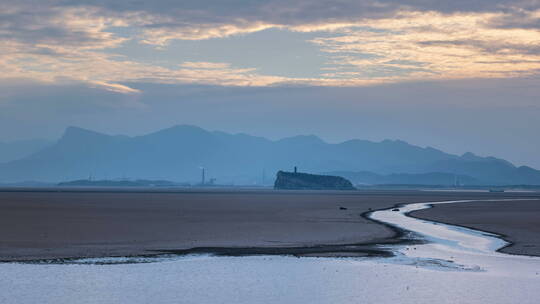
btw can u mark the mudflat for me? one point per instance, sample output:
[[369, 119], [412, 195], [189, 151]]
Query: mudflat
[[60, 223], [518, 222]]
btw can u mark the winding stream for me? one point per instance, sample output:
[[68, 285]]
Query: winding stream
[[453, 265], [453, 246]]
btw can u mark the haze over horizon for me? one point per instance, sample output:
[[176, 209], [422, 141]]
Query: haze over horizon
[[455, 75], [178, 153]]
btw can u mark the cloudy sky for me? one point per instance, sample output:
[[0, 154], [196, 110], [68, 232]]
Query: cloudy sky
[[459, 75]]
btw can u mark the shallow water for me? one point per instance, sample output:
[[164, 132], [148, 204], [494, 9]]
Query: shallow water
[[460, 248], [457, 265]]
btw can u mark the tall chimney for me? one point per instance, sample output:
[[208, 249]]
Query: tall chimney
[[295, 169], [202, 179]]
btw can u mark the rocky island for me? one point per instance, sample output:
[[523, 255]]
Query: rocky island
[[304, 181]]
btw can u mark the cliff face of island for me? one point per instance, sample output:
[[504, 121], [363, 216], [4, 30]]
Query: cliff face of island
[[305, 181]]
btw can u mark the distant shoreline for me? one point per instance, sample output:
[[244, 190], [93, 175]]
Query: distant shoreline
[[168, 185]]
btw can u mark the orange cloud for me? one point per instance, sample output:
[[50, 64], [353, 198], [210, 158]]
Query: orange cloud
[[408, 46], [434, 45]]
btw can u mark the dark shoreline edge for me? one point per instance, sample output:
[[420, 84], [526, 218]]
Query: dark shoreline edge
[[366, 249], [496, 234]]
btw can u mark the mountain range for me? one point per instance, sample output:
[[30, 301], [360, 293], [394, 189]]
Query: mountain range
[[178, 154], [18, 149]]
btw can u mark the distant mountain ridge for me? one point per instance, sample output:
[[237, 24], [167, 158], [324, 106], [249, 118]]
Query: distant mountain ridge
[[432, 178], [178, 153], [19, 149]]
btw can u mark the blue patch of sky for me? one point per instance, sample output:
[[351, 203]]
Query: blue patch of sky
[[272, 52], [275, 52]]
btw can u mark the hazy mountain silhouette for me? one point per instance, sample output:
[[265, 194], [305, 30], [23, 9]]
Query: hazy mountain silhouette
[[433, 178], [177, 154], [18, 149]]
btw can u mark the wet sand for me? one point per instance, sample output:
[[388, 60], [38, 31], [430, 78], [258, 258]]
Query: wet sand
[[98, 223], [518, 222]]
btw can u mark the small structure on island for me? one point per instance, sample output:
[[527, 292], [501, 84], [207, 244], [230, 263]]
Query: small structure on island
[[203, 176], [304, 181]]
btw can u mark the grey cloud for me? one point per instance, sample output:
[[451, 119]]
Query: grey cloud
[[489, 47], [285, 11], [33, 21], [44, 24], [452, 6], [517, 18]]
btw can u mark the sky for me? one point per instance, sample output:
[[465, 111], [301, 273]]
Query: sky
[[459, 75]]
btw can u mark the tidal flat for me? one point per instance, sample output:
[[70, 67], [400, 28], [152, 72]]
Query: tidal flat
[[72, 223], [446, 264]]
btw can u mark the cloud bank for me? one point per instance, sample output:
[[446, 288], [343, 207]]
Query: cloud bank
[[364, 42]]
